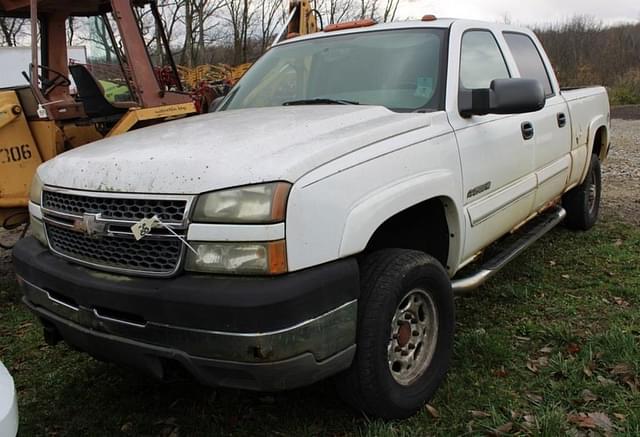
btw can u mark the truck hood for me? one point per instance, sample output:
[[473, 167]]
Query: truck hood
[[226, 149]]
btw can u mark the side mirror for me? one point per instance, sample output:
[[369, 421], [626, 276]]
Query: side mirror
[[504, 96]]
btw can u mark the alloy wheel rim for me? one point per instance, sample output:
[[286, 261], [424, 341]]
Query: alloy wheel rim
[[414, 334]]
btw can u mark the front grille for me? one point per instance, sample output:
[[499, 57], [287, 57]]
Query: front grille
[[147, 255], [95, 229], [169, 211]]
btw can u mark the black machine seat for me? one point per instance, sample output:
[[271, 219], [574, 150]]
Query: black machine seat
[[91, 94]]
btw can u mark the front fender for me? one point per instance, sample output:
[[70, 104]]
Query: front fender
[[333, 211], [372, 211]]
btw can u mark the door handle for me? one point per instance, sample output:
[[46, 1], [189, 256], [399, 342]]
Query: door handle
[[562, 119], [527, 130]]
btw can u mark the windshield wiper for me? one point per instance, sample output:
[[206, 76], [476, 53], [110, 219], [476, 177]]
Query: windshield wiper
[[320, 102]]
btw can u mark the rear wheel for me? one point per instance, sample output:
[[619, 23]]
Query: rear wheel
[[582, 203], [405, 334]]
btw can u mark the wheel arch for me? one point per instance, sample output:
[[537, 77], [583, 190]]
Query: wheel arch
[[422, 227], [600, 141], [388, 217]]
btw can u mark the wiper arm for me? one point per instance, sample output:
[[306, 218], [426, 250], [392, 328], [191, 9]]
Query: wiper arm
[[320, 102]]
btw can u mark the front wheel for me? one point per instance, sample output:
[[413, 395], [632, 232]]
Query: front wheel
[[582, 203], [405, 334]]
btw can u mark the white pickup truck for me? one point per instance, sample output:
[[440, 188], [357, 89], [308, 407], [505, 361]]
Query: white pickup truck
[[319, 221]]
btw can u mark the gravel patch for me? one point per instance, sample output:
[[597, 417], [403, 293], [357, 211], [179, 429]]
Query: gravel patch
[[626, 112], [621, 173], [7, 238]]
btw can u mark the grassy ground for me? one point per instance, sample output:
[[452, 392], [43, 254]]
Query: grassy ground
[[549, 346]]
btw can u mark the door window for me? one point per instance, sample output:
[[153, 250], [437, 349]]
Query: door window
[[481, 60], [528, 59]]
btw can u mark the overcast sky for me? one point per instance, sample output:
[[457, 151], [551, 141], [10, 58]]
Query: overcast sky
[[523, 11]]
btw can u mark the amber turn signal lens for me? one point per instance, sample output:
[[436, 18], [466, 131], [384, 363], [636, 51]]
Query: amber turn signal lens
[[277, 257], [279, 203]]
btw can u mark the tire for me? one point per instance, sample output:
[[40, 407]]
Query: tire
[[582, 203], [412, 291]]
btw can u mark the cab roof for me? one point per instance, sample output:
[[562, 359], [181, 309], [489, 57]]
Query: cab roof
[[437, 23], [440, 23]]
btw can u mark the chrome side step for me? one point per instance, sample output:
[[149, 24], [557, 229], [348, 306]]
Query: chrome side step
[[524, 238]]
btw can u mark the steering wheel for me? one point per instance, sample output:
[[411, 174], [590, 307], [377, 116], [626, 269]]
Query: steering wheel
[[49, 85]]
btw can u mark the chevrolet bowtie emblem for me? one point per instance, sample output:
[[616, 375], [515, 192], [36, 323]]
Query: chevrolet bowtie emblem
[[90, 224]]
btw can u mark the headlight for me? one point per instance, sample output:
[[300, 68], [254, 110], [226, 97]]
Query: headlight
[[35, 193], [37, 230], [238, 258], [264, 203]]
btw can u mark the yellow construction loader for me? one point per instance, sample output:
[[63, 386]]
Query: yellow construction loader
[[65, 106], [44, 119]]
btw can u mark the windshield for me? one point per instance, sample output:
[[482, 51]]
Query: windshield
[[398, 69]]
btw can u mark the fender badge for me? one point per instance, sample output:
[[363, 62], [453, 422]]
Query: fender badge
[[479, 189]]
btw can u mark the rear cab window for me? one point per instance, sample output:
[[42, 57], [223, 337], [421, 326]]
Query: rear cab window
[[528, 59]]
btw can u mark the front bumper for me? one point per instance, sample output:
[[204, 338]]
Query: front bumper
[[253, 333]]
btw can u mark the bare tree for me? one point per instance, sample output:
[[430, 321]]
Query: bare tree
[[389, 11], [335, 11], [368, 9], [147, 26], [268, 12], [12, 30], [240, 16], [585, 52], [94, 31], [198, 25], [187, 47], [205, 11], [71, 30], [170, 13]]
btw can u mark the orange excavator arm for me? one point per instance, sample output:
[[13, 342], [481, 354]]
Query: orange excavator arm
[[302, 20]]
